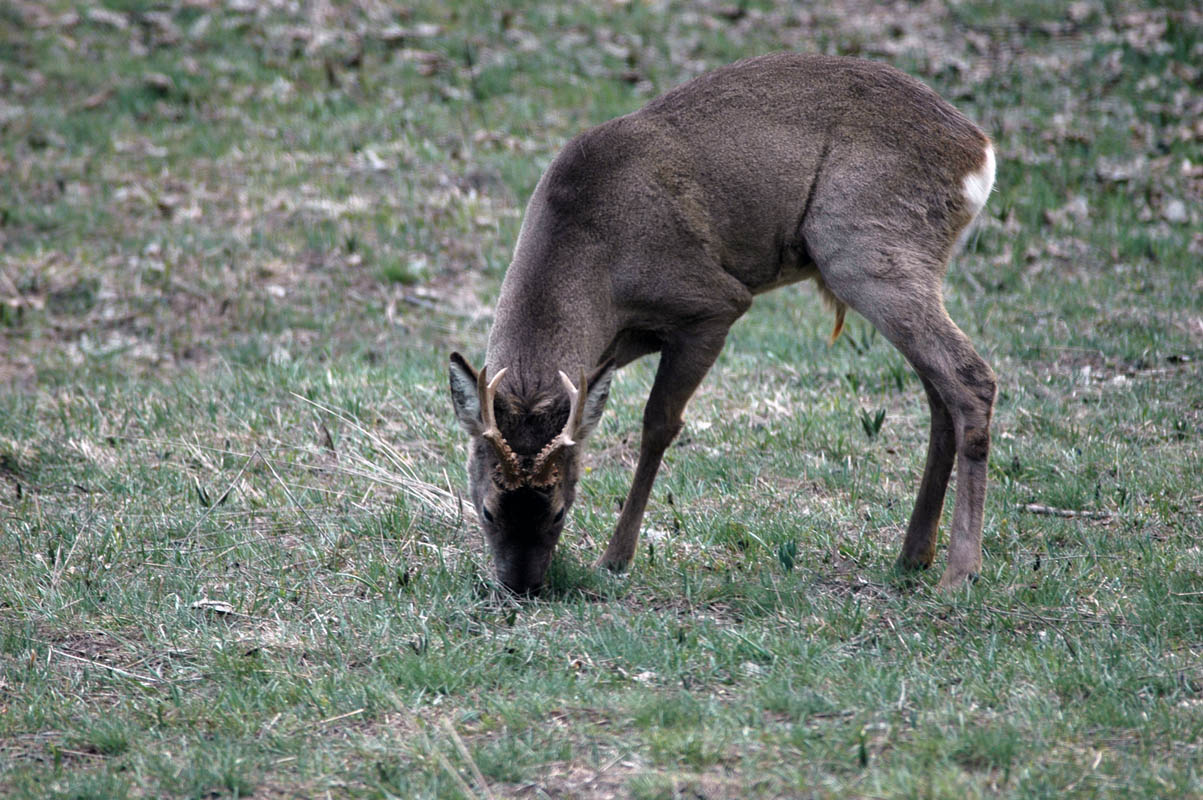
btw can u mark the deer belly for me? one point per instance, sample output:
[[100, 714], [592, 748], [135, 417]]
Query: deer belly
[[787, 276], [793, 264]]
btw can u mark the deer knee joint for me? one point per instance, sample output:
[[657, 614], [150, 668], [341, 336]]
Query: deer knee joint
[[988, 388], [976, 445], [659, 433]]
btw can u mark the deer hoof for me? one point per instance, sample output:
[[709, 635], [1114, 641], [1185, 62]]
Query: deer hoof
[[907, 563], [955, 579], [616, 565]]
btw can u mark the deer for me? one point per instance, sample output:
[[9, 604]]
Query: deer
[[654, 231]]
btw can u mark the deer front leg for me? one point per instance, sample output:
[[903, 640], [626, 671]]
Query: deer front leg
[[683, 364]]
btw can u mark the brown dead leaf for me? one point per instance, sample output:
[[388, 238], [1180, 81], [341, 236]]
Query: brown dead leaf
[[427, 61], [166, 32], [1076, 210], [159, 82], [397, 35], [106, 16], [41, 18], [1114, 170], [10, 112], [99, 98], [1174, 211], [219, 607]]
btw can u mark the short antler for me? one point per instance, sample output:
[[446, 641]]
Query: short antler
[[511, 471], [544, 471]]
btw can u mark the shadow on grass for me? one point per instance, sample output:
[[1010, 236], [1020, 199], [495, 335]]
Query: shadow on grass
[[570, 579]]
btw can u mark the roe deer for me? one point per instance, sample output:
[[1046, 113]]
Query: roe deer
[[653, 232]]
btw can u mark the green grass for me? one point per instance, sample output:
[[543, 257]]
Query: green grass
[[233, 559]]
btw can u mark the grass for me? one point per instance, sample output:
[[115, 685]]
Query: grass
[[238, 241]]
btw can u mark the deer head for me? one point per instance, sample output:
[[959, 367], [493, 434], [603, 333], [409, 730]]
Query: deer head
[[523, 481]]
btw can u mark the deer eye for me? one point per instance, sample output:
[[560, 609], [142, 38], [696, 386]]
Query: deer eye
[[488, 516], [559, 516]]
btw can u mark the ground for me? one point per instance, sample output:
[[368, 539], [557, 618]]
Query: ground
[[237, 242]]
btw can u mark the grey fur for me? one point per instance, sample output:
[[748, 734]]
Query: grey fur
[[654, 231]]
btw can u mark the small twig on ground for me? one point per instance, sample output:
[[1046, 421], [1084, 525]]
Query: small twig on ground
[[145, 680], [1066, 513], [327, 438], [1073, 651], [1083, 620], [328, 720], [444, 762], [463, 751], [455, 776]]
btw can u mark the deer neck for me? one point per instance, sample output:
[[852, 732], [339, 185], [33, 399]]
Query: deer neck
[[544, 325]]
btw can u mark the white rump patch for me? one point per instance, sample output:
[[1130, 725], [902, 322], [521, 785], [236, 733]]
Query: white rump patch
[[979, 183]]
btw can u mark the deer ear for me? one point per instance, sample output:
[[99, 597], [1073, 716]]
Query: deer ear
[[595, 400], [464, 395]]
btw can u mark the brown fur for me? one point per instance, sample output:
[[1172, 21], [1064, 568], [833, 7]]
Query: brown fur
[[654, 231]]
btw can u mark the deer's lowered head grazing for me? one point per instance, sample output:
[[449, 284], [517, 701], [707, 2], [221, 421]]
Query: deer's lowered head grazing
[[523, 481], [654, 231]]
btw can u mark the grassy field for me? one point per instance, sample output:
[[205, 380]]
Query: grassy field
[[238, 240]]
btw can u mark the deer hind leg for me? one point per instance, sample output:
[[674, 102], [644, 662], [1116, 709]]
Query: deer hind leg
[[919, 548], [900, 295]]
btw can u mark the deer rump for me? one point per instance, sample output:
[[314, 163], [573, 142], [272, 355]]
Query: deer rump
[[653, 232]]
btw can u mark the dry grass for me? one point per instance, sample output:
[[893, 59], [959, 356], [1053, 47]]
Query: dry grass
[[239, 239]]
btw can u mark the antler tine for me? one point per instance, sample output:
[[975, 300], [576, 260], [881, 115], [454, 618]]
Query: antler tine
[[577, 411], [542, 472], [574, 402], [487, 392]]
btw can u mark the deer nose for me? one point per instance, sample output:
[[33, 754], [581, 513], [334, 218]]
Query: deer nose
[[523, 576], [521, 584]]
